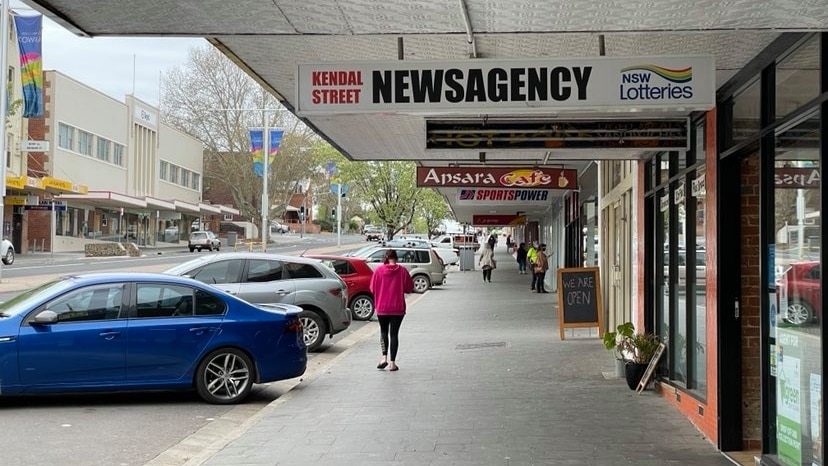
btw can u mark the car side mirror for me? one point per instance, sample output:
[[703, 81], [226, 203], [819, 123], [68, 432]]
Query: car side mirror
[[46, 317]]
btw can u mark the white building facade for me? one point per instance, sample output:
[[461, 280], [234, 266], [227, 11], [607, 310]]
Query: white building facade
[[119, 173]]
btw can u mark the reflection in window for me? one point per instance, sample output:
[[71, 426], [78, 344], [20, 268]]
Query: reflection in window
[[699, 368], [90, 303], [663, 226], [794, 330], [746, 114], [298, 271], [679, 369], [264, 271], [797, 78]]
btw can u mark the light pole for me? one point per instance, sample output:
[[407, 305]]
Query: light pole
[[4, 58]]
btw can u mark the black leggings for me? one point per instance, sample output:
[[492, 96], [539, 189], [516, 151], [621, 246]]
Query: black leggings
[[393, 324], [487, 274]]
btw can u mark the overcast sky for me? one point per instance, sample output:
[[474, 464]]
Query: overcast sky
[[106, 64]]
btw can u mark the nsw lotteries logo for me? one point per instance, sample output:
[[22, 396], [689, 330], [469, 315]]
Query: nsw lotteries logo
[[651, 82]]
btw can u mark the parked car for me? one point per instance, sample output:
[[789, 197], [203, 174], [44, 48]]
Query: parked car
[[424, 265], [7, 252], [681, 280], [457, 241], [272, 278], [277, 227], [203, 240], [800, 283], [447, 255], [131, 331], [357, 276], [372, 233]]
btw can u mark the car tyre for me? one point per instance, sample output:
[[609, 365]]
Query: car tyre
[[225, 376], [8, 259], [218, 247], [362, 307], [192, 249], [421, 283], [313, 329], [799, 312]]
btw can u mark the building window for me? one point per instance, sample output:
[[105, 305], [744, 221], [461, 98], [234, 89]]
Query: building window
[[165, 166], [118, 154], [797, 78], [794, 331], [84, 142], [228, 217], [185, 177], [66, 136], [196, 181], [104, 149], [173, 173]]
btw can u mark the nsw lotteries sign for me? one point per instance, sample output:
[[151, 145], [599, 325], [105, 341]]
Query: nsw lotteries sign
[[504, 196], [683, 83]]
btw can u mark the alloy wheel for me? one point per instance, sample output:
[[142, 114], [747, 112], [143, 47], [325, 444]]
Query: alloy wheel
[[226, 377], [798, 313], [363, 308]]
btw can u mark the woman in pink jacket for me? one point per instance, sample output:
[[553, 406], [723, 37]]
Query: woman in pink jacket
[[389, 284]]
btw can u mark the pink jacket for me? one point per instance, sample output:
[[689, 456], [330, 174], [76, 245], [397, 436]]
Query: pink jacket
[[389, 285]]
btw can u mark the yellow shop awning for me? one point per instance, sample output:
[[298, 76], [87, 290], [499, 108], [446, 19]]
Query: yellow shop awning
[[21, 183], [63, 186]]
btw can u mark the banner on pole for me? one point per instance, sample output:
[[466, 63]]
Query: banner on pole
[[29, 32], [257, 145]]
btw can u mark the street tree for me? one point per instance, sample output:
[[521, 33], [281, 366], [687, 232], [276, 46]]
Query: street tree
[[389, 187], [213, 100], [433, 209]]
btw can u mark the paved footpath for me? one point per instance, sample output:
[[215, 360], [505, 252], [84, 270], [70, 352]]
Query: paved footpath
[[483, 380]]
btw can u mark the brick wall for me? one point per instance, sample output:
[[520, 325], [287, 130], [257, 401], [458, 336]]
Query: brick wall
[[39, 229], [749, 306]]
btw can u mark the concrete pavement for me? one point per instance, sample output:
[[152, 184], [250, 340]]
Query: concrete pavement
[[483, 380]]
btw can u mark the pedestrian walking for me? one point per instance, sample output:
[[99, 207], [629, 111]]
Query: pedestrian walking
[[509, 244], [487, 262], [492, 241], [531, 259], [520, 256], [389, 284], [541, 266]]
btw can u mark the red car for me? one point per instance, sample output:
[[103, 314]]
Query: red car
[[801, 284], [357, 276]]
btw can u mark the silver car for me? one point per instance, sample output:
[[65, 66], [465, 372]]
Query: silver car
[[426, 267], [203, 240], [272, 278]]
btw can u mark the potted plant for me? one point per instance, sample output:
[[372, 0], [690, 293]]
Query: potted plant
[[615, 341], [641, 348]]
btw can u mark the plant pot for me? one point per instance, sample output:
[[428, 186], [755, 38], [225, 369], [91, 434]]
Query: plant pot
[[620, 365], [634, 372]]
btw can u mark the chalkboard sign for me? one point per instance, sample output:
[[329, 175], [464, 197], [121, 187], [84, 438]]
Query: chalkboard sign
[[645, 379], [579, 299]]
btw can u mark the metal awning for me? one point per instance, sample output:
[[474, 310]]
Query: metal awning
[[105, 198], [186, 207]]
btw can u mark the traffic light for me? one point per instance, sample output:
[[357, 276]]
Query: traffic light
[[333, 212]]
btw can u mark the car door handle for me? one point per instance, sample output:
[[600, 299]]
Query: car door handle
[[109, 335], [281, 292], [202, 330]]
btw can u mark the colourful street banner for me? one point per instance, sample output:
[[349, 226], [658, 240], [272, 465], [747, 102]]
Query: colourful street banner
[[275, 142], [29, 30], [256, 144]]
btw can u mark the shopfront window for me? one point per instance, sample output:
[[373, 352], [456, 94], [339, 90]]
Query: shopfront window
[[698, 194], [797, 77], [663, 229], [747, 114], [796, 295]]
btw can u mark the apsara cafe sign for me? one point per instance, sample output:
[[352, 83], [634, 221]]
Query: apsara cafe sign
[[482, 177], [419, 86]]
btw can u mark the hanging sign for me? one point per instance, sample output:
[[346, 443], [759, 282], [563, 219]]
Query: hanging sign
[[498, 220], [559, 134], [516, 177], [681, 83], [679, 194], [664, 203], [503, 196], [697, 187]]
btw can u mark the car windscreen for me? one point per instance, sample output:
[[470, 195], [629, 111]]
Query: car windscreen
[[26, 300]]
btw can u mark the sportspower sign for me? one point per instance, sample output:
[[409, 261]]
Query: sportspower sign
[[682, 83]]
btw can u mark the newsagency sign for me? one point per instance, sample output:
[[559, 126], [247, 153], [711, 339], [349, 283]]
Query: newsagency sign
[[682, 83], [477, 177]]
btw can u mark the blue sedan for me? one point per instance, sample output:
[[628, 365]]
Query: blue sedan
[[125, 331]]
